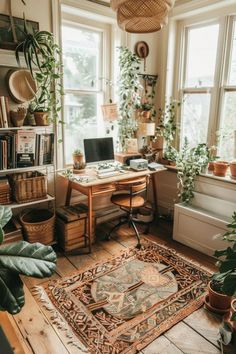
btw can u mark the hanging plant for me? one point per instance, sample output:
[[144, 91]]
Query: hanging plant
[[129, 88], [190, 162], [43, 58]]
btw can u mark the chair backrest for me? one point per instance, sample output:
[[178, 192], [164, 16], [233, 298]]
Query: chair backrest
[[133, 186]]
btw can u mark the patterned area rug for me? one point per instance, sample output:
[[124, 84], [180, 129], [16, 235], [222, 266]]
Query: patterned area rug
[[123, 304]]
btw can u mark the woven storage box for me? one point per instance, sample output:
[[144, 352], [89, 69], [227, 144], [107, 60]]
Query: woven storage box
[[28, 186], [71, 233], [38, 225]]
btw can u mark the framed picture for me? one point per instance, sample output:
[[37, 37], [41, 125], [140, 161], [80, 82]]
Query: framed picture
[[6, 35]]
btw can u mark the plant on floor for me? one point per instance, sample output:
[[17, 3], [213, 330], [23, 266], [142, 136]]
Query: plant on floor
[[20, 258], [167, 126], [224, 280], [42, 54], [129, 94], [190, 162]]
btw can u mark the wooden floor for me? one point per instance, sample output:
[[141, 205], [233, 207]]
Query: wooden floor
[[38, 334]]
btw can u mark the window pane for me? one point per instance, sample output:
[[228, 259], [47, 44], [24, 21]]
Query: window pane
[[81, 58], [82, 121], [201, 56], [195, 118], [232, 66], [228, 126]]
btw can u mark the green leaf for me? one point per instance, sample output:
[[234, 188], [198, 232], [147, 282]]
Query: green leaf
[[34, 260], [11, 291], [227, 265], [233, 318], [1, 235], [5, 215], [229, 285]]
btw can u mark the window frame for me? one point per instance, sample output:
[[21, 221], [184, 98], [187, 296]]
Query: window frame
[[105, 29], [183, 28]]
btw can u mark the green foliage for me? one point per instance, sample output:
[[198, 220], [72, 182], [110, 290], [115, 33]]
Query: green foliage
[[23, 258], [167, 126], [150, 82], [189, 163], [40, 51], [129, 97], [77, 152], [226, 276]]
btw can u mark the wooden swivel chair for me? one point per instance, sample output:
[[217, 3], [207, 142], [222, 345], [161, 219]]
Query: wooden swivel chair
[[128, 197]]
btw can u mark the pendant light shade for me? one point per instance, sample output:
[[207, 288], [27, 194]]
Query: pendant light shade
[[142, 16]]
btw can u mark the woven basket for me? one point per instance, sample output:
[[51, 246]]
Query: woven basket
[[28, 186], [142, 16], [38, 225]]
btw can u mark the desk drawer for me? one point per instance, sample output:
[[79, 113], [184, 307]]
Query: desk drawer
[[103, 188]]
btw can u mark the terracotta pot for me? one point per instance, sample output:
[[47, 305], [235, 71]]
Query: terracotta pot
[[220, 168], [211, 166], [219, 301], [78, 158], [232, 167], [17, 118], [146, 114], [41, 118]]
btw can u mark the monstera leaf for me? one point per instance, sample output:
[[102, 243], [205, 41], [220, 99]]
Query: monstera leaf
[[5, 216], [11, 292], [34, 259]]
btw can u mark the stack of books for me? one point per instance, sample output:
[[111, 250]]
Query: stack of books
[[4, 112], [25, 148], [5, 191]]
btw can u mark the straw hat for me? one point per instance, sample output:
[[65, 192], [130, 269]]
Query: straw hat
[[21, 85]]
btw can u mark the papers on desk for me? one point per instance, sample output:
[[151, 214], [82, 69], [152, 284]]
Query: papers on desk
[[82, 179]]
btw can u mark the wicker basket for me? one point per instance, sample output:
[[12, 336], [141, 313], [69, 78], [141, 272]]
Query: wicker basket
[[28, 186], [38, 225]]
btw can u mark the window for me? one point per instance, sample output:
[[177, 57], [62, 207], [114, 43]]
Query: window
[[208, 84], [86, 62]]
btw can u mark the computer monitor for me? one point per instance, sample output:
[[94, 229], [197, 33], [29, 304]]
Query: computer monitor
[[99, 150]]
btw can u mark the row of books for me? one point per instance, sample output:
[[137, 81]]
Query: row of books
[[4, 112], [25, 148]]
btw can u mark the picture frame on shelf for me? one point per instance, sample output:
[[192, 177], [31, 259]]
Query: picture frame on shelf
[[6, 34]]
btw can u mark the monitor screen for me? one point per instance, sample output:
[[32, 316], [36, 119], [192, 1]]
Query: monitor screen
[[98, 149]]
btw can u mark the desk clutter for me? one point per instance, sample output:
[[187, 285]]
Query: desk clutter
[[72, 225]]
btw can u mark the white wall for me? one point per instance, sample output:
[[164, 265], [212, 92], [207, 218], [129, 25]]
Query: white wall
[[36, 10]]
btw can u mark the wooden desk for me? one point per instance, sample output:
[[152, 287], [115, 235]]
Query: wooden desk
[[98, 186]]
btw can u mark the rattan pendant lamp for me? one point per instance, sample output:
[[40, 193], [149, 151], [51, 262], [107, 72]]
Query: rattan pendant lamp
[[142, 16]]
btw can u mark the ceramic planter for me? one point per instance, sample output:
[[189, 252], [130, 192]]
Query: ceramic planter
[[78, 158], [219, 301], [220, 168], [41, 118], [211, 166], [232, 167], [17, 118]]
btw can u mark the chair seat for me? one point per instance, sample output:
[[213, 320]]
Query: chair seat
[[123, 200]]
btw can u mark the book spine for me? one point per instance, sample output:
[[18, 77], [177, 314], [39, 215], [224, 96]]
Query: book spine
[[4, 112]]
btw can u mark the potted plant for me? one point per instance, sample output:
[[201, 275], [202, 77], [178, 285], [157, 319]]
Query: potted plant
[[212, 158], [223, 284], [220, 168], [129, 94], [78, 159], [20, 258], [190, 162], [42, 57], [232, 167]]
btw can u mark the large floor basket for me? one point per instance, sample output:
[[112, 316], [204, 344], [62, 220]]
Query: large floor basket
[[38, 225]]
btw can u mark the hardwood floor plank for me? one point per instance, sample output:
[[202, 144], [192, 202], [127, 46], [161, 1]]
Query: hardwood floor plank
[[160, 346], [113, 247], [205, 323], [64, 266], [36, 329], [188, 341]]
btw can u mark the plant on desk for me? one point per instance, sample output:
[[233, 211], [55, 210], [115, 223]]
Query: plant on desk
[[78, 159], [20, 258]]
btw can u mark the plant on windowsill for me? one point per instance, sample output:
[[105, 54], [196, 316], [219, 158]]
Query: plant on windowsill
[[20, 258], [43, 59], [190, 162], [129, 88]]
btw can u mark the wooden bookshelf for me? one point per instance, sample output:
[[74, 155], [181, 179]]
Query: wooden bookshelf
[[25, 169], [15, 205]]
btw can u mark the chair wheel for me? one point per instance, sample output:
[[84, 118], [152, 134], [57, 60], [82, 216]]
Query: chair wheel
[[139, 246]]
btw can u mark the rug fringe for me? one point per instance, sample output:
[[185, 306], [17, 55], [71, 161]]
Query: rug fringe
[[56, 318]]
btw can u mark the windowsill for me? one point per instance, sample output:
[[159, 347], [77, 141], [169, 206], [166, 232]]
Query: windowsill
[[227, 178]]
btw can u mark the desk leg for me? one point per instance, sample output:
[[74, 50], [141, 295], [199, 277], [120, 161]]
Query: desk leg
[[154, 187], [68, 194], [90, 218]]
